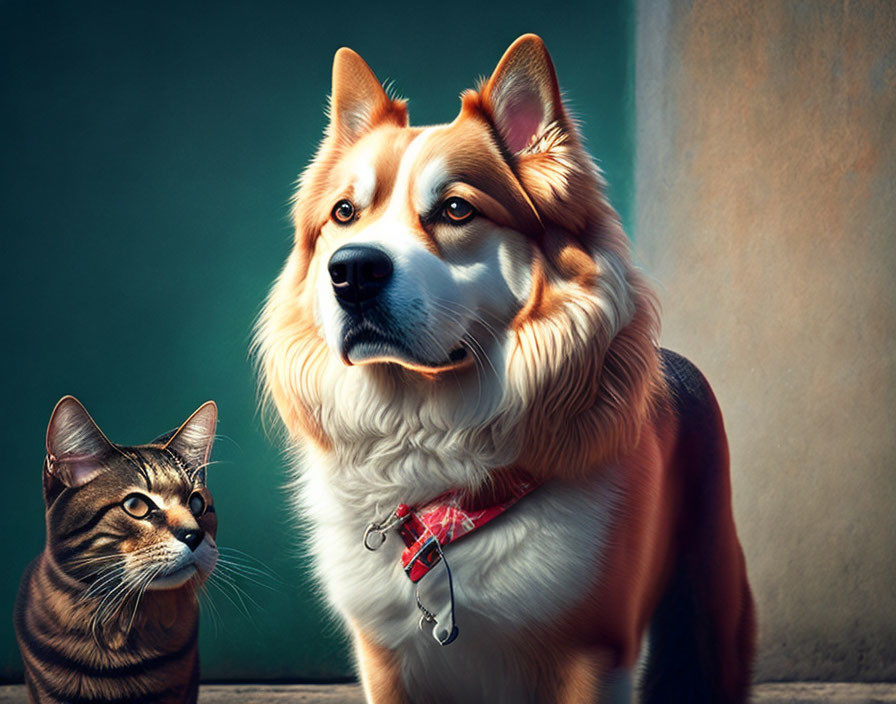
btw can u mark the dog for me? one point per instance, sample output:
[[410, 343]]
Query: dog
[[511, 488]]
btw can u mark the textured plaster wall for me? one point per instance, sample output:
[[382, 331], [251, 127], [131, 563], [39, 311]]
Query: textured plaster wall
[[765, 182]]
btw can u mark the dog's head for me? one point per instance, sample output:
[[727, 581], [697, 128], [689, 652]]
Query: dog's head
[[473, 269]]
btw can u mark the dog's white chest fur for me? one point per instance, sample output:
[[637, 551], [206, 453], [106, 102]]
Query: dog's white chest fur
[[522, 572]]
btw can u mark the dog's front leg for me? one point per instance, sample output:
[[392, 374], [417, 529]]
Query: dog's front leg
[[589, 678], [380, 672]]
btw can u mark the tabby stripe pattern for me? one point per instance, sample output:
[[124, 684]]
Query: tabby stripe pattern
[[109, 611], [59, 671], [91, 524]]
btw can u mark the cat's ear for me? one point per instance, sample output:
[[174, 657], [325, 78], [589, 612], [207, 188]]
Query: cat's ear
[[77, 450], [194, 439]]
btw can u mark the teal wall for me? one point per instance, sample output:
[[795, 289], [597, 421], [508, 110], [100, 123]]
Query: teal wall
[[147, 153]]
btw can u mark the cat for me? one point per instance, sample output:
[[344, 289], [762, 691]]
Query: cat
[[108, 612]]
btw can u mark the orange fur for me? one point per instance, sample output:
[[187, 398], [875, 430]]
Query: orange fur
[[379, 671], [587, 389]]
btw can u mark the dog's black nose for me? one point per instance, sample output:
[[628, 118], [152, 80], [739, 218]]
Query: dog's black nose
[[191, 537], [359, 272]]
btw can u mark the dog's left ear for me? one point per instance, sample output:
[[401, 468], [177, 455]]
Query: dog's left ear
[[522, 97]]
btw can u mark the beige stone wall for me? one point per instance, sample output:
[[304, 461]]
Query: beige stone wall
[[766, 211]]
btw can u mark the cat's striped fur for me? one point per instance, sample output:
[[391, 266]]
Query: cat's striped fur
[[108, 611]]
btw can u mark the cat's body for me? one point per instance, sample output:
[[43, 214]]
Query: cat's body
[[156, 662], [108, 612]]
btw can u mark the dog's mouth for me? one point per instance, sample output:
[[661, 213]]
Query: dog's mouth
[[366, 343]]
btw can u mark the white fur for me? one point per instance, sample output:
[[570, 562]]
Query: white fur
[[411, 442], [408, 442], [364, 185], [523, 571], [177, 563], [402, 438], [430, 184], [407, 170], [513, 263], [441, 302]]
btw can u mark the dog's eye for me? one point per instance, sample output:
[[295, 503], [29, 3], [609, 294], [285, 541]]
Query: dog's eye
[[137, 505], [343, 212], [457, 210]]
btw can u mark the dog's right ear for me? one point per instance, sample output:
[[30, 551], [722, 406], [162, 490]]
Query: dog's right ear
[[358, 102]]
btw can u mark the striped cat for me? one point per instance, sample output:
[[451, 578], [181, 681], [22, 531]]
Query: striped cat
[[108, 611]]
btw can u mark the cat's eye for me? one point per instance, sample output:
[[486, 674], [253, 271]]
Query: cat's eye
[[197, 504], [137, 505], [343, 212], [457, 211]]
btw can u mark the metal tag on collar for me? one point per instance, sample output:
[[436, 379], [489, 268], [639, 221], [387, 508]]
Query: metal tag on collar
[[444, 628], [375, 535]]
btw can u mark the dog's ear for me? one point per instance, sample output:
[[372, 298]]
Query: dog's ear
[[521, 101], [358, 101], [522, 97]]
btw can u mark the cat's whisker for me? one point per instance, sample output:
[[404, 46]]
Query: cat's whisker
[[191, 475], [205, 600], [80, 561], [236, 552], [235, 557], [115, 573], [126, 590], [151, 575], [99, 614], [234, 573], [109, 601], [241, 593], [128, 583], [215, 582], [249, 572], [120, 572], [222, 436]]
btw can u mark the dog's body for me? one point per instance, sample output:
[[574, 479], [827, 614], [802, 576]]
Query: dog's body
[[460, 300]]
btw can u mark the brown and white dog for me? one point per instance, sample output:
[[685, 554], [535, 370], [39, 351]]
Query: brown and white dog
[[460, 300]]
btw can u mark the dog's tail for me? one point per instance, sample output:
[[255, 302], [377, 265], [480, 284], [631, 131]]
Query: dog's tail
[[703, 631]]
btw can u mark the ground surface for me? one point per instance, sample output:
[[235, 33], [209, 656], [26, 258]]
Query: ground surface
[[794, 693]]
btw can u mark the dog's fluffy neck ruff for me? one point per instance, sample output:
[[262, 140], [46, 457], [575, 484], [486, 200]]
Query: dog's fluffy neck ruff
[[406, 440]]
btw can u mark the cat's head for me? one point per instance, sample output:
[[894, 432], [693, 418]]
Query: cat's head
[[139, 515]]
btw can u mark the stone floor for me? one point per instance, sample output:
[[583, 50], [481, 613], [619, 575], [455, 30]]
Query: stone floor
[[791, 693]]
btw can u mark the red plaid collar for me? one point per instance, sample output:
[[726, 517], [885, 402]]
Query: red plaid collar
[[428, 527]]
